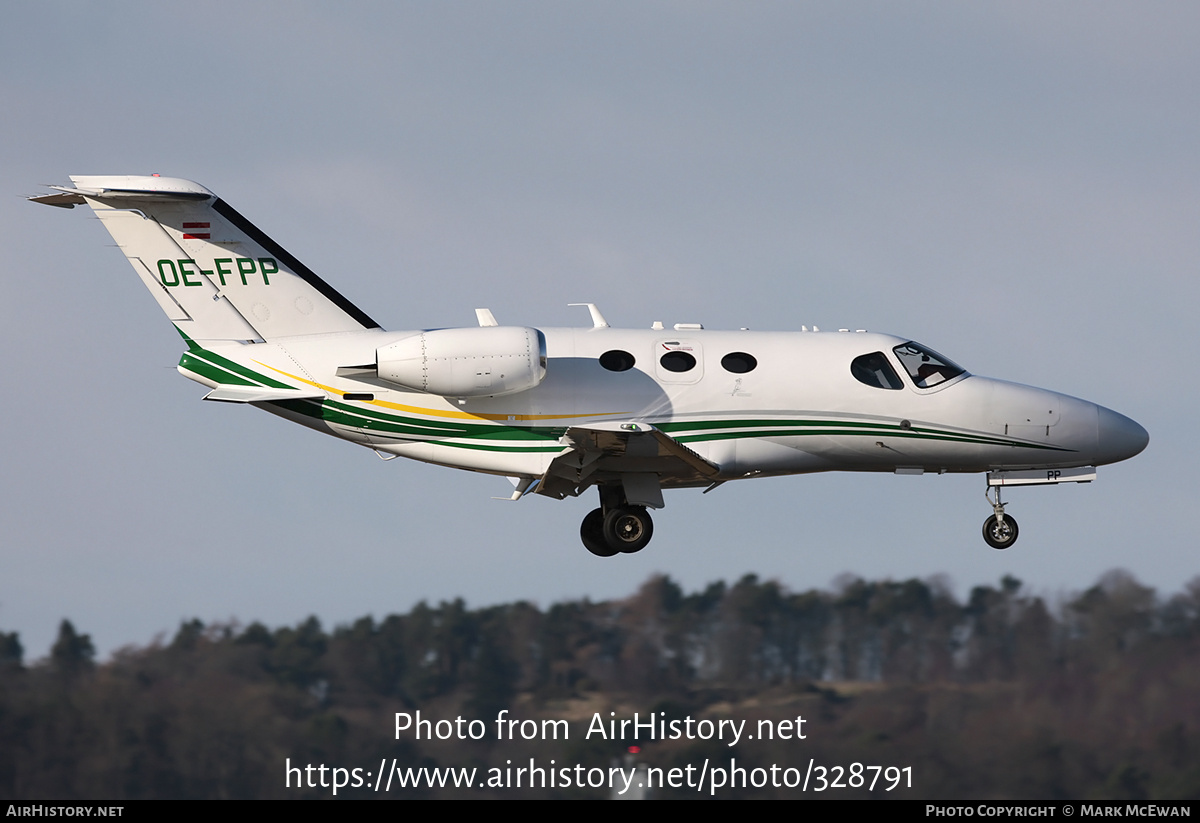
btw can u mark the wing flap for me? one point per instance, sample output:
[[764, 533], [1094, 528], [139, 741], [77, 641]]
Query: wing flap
[[636, 455]]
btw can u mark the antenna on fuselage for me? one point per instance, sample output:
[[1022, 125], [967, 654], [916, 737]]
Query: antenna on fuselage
[[598, 321]]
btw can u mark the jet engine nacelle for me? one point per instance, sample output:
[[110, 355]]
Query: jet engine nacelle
[[472, 362]]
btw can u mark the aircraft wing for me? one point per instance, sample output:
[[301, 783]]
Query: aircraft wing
[[638, 456]]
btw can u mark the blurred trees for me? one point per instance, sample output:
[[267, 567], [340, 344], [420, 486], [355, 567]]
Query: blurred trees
[[1005, 694]]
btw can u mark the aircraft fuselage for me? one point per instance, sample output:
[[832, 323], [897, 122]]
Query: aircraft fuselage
[[798, 410]]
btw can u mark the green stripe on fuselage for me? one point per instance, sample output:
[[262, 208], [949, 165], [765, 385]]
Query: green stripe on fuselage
[[329, 412], [193, 361], [453, 434], [799, 428], [376, 417], [222, 370]]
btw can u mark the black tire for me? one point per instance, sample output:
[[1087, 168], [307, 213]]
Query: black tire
[[1000, 537], [628, 529], [592, 534]]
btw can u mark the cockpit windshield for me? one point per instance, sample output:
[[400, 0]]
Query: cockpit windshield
[[926, 367]]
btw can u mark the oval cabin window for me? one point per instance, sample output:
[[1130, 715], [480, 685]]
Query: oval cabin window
[[677, 361], [738, 362], [617, 360]]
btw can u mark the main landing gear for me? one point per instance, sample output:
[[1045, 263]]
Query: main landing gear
[[999, 530], [616, 529]]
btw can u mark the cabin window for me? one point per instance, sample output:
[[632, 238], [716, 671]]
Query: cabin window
[[926, 367], [677, 361], [617, 360], [874, 370], [738, 362]]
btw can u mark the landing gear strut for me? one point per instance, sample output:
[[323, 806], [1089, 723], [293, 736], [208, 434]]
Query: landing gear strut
[[616, 527], [999, 530]]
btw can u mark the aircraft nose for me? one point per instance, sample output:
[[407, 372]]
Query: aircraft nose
[[1117, 437]]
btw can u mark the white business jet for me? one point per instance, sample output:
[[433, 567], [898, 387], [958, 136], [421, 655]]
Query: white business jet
[[630, 412]]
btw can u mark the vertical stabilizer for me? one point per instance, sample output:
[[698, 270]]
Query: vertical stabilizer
[[214, 274]]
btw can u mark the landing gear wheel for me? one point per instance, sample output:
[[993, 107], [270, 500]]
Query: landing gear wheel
[[628, 529], [1000, 535], [592, 534]]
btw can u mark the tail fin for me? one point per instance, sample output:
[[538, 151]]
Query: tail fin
[[215, 274]]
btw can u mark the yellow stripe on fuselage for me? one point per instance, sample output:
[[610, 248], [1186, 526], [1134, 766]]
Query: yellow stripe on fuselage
[[454, 415]]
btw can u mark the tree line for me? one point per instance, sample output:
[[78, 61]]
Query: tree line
[[1003, 694]]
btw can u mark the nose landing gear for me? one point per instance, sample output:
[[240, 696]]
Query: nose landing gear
[[999, 530]]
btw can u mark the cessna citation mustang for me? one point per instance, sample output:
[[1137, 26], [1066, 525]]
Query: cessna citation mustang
[[630, 412]]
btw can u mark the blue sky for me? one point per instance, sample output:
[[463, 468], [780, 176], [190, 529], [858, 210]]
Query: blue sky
[[1013, 184]]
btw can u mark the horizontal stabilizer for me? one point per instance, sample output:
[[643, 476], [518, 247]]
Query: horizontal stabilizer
[[129, 187], [64, 200], [259, 394]]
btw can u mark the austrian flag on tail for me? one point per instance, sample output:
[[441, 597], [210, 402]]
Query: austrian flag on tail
[[190, 231]]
